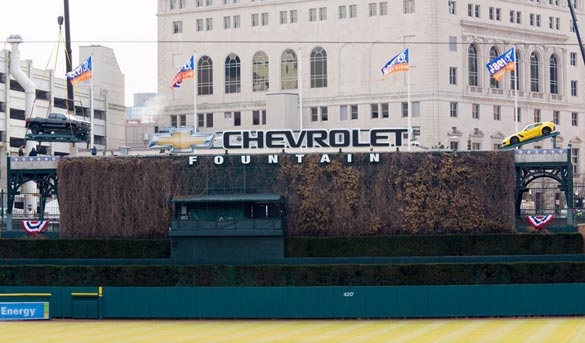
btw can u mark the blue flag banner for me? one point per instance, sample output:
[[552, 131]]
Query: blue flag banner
[[498, 66], [396, 63], [81, 73], [186, 72]]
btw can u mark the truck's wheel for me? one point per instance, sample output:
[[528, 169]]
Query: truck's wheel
[[35, 129]]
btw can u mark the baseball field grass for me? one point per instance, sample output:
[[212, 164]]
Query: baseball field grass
[[554, 330]]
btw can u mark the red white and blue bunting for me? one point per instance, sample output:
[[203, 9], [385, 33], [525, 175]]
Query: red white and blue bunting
[[539, 221], [32, 227]]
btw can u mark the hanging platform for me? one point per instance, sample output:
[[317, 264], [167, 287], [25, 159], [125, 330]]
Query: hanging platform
[[48, 137]]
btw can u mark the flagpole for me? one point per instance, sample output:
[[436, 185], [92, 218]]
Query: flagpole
[[516, 92], [300, 67], [91, 109], [195, 123], [409, 113]]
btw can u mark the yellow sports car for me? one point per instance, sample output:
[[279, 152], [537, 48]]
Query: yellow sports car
[[531, 131]]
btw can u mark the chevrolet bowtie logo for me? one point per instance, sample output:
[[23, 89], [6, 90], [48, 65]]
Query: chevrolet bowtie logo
[[181, 140]]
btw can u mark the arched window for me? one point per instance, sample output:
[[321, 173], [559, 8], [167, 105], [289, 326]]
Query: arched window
[[318, 68], [472, 65], [493, 54], [260, 72], [554, 74], [534, 73], [232, 74], [516, 73], [288, 66], [205, 76]]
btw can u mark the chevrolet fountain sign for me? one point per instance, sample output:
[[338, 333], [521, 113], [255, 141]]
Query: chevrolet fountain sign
[[185, 140]]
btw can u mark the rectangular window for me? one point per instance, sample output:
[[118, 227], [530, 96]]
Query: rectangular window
[[452, 5], [354, 112], [314, 113], [236, 21], [177, 27], [470, 10], [383, 8], [352, 11], [573, 87], [209, 24], [498, 14], [477, 11], [237, 118], [200, 120], [227, 22], [324, 113], [531, 19], [573, 58], [312, 14], [293, 16], [264, 19], [574, 118], [255, 117], [199, 25], [209, 119], [537, 116], [207, 3], [454, 145], [497, 112], [173, 121], [343, 112], [453, 43], [385, 110], [518, 17], [557, 23], [538, 20], [408, 6], [452, 75], [283, 17], [404, 109], [453, 109], [373, 9], [342, 12], [575, 160], [557, 117], [492, 13], [519, 115], [183, 119], [551, 22], [255, 19], [374, 111], [322, 13], [475, 111]]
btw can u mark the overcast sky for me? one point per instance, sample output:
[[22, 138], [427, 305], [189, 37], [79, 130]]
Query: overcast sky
[[127, 26]]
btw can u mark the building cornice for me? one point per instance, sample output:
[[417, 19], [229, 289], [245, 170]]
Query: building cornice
[[511, 34]]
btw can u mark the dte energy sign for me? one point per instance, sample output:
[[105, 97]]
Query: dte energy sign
[[335, 138], [24, 311]]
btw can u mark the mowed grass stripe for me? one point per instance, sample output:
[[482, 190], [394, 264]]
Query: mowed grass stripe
[[311, 331], [380, 329], [570, 330], [304, 330], [467, 329]]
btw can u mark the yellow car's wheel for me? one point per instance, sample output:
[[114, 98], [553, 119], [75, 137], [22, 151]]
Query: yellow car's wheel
[[514, 140], [546, 131]]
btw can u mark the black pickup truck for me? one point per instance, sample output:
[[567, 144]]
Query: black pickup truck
[[58, 123]]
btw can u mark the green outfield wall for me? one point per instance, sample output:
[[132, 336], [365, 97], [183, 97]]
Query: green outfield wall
[[307, 302]]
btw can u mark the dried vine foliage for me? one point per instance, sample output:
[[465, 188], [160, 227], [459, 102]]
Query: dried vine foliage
[[404, 193]]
